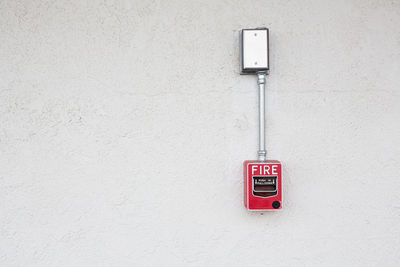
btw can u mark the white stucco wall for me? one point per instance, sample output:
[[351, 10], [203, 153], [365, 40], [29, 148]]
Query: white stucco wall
[[124, 125]]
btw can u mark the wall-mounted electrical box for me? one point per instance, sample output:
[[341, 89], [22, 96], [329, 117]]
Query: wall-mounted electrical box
[[254, 51]]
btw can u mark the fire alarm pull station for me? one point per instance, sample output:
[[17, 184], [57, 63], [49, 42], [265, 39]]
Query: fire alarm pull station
[[262, 177]]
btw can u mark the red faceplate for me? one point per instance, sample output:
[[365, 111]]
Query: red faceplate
[[262, 185]]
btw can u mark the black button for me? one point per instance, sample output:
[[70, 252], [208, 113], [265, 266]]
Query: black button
[[276, 204]]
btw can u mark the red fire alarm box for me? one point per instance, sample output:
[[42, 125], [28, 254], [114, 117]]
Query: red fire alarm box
[[262, 185]]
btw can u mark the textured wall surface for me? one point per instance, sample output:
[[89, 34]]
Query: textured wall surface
[[124, 124]]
